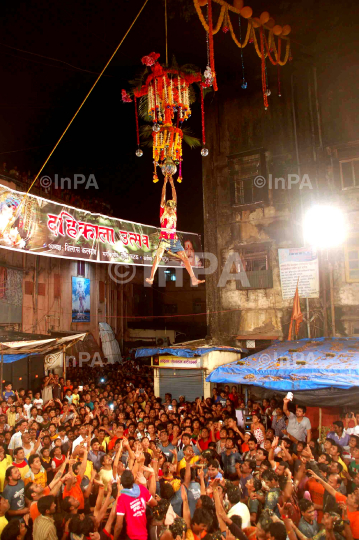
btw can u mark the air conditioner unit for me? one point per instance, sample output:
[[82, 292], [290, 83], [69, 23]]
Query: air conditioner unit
[[163, 342]]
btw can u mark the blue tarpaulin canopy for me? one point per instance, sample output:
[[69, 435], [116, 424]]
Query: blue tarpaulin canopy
[[187, 352], [10, 358], [306, 364]]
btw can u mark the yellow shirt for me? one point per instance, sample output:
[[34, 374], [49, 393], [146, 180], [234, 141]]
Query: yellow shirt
[[4, 464], [11, 418], [39, 478], [3, 523], [182, 463], [345, 468]]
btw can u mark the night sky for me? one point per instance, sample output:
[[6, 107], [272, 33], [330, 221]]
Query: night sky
[[39, 94]]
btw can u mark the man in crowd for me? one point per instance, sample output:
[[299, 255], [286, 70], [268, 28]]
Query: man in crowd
[[128, 449]]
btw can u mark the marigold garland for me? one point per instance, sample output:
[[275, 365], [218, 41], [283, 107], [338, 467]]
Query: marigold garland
[[225, 16], [203, 20], [246, 39]]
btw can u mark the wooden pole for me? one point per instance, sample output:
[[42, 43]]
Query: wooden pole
[[64, 361], [331, 286]]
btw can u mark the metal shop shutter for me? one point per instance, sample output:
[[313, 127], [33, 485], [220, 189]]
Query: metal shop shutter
[[181, 382]]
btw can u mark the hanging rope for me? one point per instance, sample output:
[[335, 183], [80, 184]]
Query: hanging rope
[[93, 86], [166, 32]]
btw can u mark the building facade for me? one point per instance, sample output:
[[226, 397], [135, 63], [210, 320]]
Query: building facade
[[264, 170]]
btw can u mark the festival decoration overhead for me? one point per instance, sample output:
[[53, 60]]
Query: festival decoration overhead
[[268, 46], [167, 94]]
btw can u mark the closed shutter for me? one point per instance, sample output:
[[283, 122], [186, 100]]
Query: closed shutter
[[181, 382]]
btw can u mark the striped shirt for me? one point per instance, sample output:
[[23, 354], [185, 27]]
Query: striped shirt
[[44, 528]]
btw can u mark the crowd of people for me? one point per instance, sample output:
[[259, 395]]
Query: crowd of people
[[97, 455], [83, 199]]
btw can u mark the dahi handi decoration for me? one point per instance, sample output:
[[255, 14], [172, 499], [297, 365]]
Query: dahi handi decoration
[[270, 40], [165, 98]]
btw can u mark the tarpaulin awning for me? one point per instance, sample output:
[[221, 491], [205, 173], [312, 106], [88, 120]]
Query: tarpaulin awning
[[306, 364], [186, 352], [10, 358], [37, 346]]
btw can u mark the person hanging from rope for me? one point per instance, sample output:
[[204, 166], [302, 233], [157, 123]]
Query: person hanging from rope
[[169, 240]]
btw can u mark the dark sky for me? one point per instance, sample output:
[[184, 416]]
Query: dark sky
[[39, 95]]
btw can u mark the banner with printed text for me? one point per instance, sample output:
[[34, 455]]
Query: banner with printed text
[[45, 227], [299, 265]]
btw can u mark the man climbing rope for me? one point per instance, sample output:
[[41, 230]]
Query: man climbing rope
[[169, 240]]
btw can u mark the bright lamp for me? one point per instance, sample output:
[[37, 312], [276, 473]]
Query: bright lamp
[[324, 227]]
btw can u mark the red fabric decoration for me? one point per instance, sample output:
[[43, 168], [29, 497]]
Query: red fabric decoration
[[202, 110], [125, 97], [264, 82], [151, 59], [137, 129]]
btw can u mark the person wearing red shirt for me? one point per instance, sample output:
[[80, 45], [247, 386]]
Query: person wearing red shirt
[[169, 240], [205, 438], [233, 396], [132, 506]]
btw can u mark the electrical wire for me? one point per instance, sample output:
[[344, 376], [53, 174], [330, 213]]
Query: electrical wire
[[50, 58], [76, 113]]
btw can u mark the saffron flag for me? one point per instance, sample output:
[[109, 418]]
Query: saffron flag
[[297, 315]]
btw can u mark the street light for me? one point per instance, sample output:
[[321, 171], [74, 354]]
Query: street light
[[324, 227]]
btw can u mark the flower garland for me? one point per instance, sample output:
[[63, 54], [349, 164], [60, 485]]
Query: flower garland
[[203, 20], [211, 51], [246, 39], [137, 129], [203, 125], [277, 54], [264, 78], [225, 19]]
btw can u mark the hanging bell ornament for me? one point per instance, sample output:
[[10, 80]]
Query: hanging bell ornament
[[179, 179], [155, 178], [139, 152], [156, 128], [244, 84], [168, 168], [204, 152], [268, 92]]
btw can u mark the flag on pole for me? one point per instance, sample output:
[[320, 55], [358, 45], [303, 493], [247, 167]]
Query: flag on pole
[[297, 315]]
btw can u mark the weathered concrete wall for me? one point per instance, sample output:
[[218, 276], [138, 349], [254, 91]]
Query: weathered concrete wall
[[290, 137]]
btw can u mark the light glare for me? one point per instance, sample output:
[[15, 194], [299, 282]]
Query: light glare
[[324, 227]]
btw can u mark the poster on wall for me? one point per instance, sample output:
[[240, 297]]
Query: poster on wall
[[80, 299], [299, 265], [35, 225]]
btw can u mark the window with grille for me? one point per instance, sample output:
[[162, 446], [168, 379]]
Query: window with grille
[[244, 171], [349, 173], [352, 259], [254, 265]]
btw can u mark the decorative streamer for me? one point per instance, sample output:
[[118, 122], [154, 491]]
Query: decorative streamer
[[203, 125], [244, 83], [137, 129], [264, 83], [211, 51], [278, 73]]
